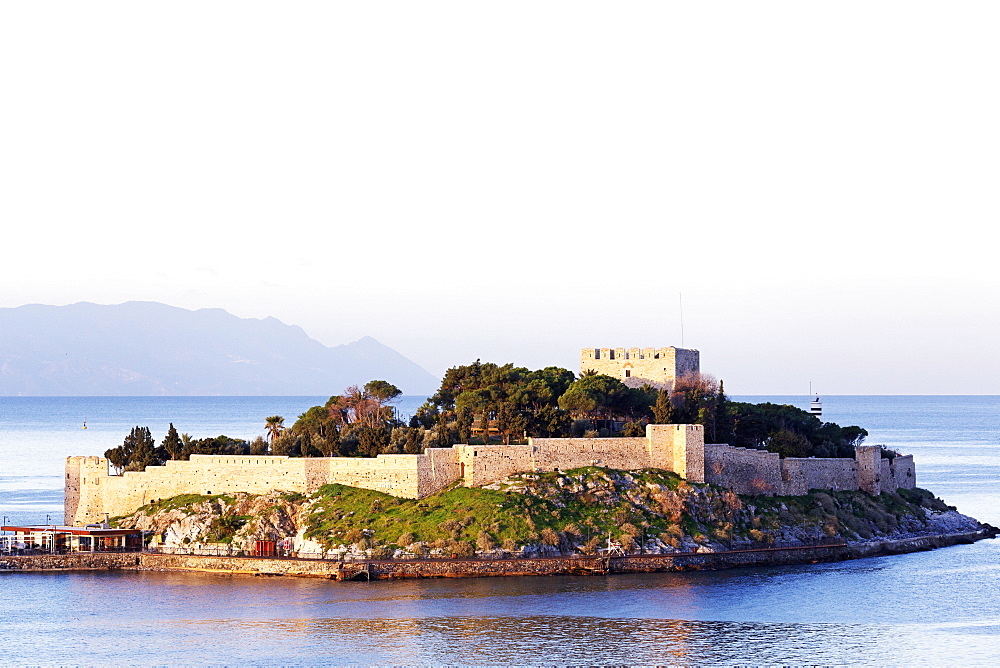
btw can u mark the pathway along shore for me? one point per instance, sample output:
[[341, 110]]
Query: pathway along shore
[[462, 568]]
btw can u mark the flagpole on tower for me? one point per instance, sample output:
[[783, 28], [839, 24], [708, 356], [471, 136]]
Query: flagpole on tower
[[680, 299]]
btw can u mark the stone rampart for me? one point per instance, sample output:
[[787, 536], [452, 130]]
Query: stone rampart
[[91, 491], [758, 472], [743, 471], [898, 472]]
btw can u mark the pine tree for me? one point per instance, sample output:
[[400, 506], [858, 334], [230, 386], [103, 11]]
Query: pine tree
[[172, 443], [663, 409], [138, 447]]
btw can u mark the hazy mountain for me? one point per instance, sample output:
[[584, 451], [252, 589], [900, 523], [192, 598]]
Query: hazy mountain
[[145, 348]]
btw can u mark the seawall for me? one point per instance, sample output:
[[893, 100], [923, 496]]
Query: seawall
[[437, 568]]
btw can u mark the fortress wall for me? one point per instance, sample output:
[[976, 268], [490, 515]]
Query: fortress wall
[[484, 464], [439, 468], [800, 474], [569, 453], [748, 471], [869, 459], [90, 491], [688, 451], [687, 362], [743, 470], [203, 474], [398, 475], [899, 472]]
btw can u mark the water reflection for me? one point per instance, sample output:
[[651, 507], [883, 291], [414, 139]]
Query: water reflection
[[934, 608], [914, 609], [576, 640]]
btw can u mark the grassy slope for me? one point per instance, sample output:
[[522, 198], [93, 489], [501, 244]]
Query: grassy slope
[[574, 511]]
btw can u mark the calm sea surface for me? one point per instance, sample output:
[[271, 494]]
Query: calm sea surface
[[932, 608]]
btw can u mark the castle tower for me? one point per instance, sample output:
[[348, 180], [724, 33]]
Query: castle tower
[[83, 496], [679, 448], [637, 366], [869, 458]]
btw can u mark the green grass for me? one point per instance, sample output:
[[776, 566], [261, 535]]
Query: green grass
[[571, 508], [587, 502], [184, 502], [456, 514]]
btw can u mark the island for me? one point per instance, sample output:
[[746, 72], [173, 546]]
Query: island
[[506, 471]]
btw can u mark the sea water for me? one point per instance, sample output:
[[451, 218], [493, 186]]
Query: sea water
[[931, 608]]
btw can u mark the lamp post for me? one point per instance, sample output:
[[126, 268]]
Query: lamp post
[[52, 534]]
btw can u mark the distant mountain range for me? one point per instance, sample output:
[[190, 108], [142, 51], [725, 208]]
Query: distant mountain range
[[151, 349]]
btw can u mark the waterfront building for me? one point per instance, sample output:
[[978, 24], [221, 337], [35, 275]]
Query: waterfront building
[[54, 539]]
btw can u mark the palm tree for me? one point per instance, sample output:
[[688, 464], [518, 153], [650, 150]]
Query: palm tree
[[274, 425]]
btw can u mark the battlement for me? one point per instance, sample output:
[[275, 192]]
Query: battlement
[[628, 353], [91, 492], [637, 366]]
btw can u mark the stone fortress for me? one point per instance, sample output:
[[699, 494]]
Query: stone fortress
[[658, 367], [90, 491]]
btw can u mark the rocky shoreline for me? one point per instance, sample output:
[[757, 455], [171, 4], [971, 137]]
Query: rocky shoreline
[[485, 567], [590, 520], [565, 514]]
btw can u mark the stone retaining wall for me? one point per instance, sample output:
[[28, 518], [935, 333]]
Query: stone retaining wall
[[88, 561], [436, 568]]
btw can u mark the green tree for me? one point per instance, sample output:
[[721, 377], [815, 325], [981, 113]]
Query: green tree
[[258, 446], [663, 409], [549, 422], [116, 457], [464, 419], [187, 446], [787, 443], [382, 390], [217, 445], [140, 447], [358, 422], [789, 431], [594, 397], [172, 443], [274, 426]]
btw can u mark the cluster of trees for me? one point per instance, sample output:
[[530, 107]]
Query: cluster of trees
[[516, 402], [139, 449], [359, 422], [789, 431], [486, 402]]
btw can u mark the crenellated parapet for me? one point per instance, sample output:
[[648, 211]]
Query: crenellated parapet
[[91, 491], [635, 366]]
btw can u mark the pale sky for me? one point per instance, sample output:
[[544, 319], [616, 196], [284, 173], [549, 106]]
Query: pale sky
[[514, 181]]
